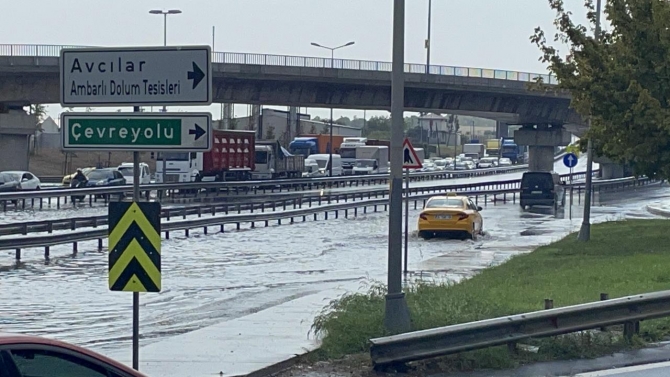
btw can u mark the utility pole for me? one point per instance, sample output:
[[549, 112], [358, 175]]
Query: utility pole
[[396, 312], [585, 230]]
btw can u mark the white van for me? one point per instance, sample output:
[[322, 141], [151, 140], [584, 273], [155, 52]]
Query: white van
[[126, 169], [322, 161]]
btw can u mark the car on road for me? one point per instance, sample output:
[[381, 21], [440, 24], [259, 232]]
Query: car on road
[[27, 179], [9, 183], [487, 163], [104, 178], [504, 162], [450, 215], [541, 188], [428, 166], [68, 178], [440, 164], [33, 356]]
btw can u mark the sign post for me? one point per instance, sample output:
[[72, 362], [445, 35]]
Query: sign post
[[136, 76], [570, 160], [410, 161]]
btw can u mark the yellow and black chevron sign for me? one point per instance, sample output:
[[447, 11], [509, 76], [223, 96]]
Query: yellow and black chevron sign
[[135, 247]]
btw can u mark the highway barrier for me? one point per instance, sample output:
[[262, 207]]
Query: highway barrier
[[394, 351], [40, 198], [47, 241]]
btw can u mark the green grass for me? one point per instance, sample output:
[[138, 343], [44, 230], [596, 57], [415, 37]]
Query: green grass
[[622, 258]]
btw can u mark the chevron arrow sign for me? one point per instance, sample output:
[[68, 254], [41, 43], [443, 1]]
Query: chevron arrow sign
[[134, 247]]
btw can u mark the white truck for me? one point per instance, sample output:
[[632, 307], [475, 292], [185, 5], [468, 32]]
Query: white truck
[[474, 151], [371, 159], [126, 169], [348, 152]]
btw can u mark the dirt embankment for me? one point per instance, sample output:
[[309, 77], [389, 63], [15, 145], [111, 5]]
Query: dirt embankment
[[55, 162]]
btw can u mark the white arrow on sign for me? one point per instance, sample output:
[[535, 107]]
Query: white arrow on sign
[[137, 76]]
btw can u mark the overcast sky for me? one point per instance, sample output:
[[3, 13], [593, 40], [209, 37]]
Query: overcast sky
[[469, 33]]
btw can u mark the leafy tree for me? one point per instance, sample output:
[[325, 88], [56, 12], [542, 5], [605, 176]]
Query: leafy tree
[[312, 129], [621, 81], [40, 111], [270, 133]]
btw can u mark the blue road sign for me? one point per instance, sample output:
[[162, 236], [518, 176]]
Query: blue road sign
[[570, 160]]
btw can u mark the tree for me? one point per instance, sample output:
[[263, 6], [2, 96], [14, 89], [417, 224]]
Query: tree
[[270, 133], [40, 111], [312, 129], [620, 82]]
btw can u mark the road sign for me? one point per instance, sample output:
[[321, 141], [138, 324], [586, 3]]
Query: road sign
[[137, 76], [135, 247], [570, 160], [186, 132], [410, 159]]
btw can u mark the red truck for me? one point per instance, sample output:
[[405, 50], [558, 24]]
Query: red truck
[[231, 159]]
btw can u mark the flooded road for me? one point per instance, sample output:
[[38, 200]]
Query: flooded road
[[214, 278]]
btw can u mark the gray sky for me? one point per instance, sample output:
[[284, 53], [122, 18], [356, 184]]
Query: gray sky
[[468, 33]]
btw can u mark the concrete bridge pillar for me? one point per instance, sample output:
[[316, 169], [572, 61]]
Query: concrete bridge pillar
[[610, 169], [541, 140], [502, 130], [16, 127]]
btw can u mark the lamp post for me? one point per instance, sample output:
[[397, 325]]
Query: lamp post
[[332, 59], [165, 14], [430, 11], [585, 230]]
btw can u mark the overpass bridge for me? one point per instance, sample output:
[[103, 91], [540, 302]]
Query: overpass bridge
[[29, 74]]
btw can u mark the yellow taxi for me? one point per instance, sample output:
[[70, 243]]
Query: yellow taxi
[[450, 214]]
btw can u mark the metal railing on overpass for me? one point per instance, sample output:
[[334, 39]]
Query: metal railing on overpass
[[309, 62]]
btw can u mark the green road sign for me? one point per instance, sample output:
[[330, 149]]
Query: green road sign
[[186, 132]]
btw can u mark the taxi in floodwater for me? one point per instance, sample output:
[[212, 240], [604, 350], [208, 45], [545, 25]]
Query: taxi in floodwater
[[450, 214]]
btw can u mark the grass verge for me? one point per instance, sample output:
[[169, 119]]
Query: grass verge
[[622, 258]]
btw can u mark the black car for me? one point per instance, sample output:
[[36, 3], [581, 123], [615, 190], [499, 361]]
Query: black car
[[104, 178], [8, 183], [541, 188]]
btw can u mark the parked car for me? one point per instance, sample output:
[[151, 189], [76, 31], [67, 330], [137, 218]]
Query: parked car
[[68, 178], [24, 355], [9, 183], [27, 179]]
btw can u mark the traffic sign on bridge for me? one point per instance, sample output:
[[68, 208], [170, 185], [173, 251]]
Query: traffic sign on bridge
[[186, 132], [570, 160], [135, 247], [137, 76]]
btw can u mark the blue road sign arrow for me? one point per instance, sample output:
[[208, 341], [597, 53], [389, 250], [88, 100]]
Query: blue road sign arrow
[[570, 160]]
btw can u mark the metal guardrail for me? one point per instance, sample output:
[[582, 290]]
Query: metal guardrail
[[419, 345], [255, 186], [25, 228], [309, 62]]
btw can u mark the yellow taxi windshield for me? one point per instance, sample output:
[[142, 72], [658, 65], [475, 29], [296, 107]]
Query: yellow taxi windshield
[[445, 203]]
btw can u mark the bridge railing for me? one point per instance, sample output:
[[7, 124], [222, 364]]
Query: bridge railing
[[310, 62]]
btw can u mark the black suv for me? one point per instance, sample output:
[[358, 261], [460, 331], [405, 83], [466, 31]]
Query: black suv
[[541, 188]]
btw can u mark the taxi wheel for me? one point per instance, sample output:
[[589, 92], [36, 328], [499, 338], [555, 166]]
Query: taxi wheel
[[426, 235]]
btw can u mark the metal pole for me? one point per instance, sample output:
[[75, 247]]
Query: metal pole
[[430, 9], [136, 295], [396, 313], [406, 220], [585, 231], [164, 173], [330, 150]]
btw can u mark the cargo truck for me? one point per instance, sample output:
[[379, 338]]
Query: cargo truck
[[371, 159], [493, 147], [474, 150], [509, 149], [230, 159], [348, 150], [306, 145], [273, 161]]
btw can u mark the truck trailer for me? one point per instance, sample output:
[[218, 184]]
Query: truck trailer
[[307, 145], [474, 150], [273, 161], [371, 159], [231, 159], [348, 150]]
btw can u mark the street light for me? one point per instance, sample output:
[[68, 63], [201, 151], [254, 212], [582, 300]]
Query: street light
[[332, 59], [165, 14]]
